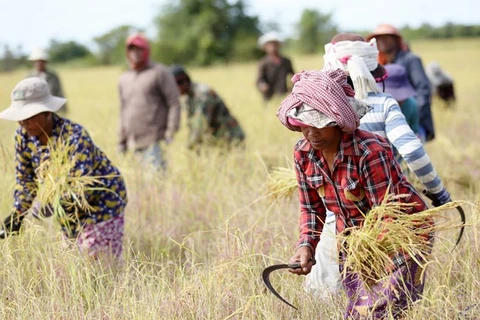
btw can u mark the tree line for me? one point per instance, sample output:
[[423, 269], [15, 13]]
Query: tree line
[[204, 32]]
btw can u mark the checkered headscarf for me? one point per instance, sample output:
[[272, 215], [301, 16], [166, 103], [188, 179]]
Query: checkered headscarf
[[328, 93]]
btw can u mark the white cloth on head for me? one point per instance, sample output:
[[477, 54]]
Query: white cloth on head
[[358, 59], [311, 117], [314, 118]]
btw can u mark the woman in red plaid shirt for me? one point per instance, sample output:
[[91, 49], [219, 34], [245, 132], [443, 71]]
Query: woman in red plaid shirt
[[348, 171]]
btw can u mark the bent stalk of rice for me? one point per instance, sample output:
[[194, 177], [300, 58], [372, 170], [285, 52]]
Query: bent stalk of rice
[[59, 185], [387, 231]]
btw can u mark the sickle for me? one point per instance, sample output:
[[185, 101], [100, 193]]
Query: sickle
[[266, 278], [436, 203]]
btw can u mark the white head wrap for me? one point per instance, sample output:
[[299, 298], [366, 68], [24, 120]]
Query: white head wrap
[[358, 58]]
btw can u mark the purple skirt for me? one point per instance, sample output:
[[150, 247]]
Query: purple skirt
[[389, 297]]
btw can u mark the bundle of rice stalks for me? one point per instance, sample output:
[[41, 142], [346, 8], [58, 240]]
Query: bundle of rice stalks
[[59, 186], [281, 183], [388, 231]]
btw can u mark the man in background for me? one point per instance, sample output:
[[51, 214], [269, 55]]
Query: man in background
[[39, 58], [209, 120], [392, 50], [442, 83], [273, 68], [149, 104]]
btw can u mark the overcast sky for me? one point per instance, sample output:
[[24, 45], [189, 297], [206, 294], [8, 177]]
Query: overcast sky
[[33, 23]]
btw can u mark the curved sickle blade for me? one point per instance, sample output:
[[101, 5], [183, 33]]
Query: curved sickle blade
[[266, 278], [462, 216], [436, 203]]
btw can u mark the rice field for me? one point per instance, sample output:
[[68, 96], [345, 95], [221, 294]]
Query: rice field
[[198, 238]]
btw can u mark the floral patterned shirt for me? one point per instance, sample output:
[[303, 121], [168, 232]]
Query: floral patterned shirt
[[29, 153]]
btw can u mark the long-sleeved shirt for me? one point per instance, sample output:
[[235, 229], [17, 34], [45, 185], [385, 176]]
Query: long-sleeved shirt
[[208, 117], [363, 170], [419, 80], [149, 106], [53, 81], [274, 75], [91, 161], [387, 120]]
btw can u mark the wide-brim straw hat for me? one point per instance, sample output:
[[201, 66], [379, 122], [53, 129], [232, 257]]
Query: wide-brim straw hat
[[384, 29], [269, 37], [30, 97], [38, 54]]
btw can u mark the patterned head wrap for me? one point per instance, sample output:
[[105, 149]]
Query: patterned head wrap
[[320, 99]]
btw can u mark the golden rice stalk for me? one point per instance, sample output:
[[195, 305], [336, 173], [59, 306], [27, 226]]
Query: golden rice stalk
[[59, 186], [281, 183], [387, 231]]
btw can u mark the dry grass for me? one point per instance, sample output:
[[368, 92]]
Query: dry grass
[[197, 239]]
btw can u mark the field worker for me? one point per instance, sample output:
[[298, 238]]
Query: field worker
[[335, 160], [149, 104], [398, 86], [391, 47], [273, 68], [350, 53], [209, 120], [39, 57], [34, 108], [442, 82]]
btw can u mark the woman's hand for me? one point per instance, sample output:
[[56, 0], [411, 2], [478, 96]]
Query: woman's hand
[[304, 257]]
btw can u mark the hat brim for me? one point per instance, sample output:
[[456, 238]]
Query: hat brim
[[374, 35], [262, 44], [22, 111], [38, 59]]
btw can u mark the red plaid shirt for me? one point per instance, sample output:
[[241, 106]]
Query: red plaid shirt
[[363, 170]]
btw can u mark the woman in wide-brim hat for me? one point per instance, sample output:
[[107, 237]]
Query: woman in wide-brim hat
[[97, 232], [347, 171]]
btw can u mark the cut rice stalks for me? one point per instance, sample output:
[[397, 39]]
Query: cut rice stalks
[[387, 234], [58, 186], [281, 183]]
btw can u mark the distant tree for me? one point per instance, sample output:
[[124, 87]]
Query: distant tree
[[61, 52], [111, 45], [315, 30], [9, 62], [205, 31]]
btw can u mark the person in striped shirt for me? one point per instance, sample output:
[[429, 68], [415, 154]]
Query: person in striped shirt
[[358, 58]]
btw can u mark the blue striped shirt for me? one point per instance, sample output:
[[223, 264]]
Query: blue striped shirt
[[387, 120]]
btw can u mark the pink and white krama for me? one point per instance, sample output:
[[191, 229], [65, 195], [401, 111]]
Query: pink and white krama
[[325, 91]]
